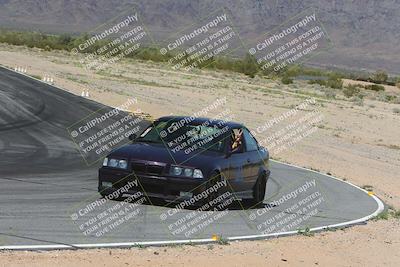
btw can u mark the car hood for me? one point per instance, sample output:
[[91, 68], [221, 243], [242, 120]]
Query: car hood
[[159, 153]]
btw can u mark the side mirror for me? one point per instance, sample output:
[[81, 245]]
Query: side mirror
[[132, 137]]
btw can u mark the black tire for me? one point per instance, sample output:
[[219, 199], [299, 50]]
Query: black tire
[[259, 189]]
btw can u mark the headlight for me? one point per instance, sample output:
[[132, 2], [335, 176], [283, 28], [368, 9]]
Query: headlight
[[116, 163], [197, 174], [113, 163], [186, 172], [123, 164], [176, 171]]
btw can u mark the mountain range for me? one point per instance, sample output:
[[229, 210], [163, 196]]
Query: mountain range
[[365, 34]]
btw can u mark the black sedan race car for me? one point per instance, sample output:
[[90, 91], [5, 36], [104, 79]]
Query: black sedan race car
[[177, 158]]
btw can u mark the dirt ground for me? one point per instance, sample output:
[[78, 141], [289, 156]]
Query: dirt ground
[[355, 141], [375, 244]]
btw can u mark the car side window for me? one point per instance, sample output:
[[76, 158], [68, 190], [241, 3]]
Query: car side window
[[236, 144], [251, 143]]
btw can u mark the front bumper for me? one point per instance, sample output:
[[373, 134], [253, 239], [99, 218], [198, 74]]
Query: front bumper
[[164, 187]]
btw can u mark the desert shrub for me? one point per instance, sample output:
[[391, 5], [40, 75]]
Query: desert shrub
[[36, 39], [249, 65], [151, 53], [357, 100], [320, 82], [332, 82], [380, 76], [391, 98], [335, 83], [293, 70], [329, 93], [296, 70], [351, 90], [384, 97], [286, 80], [225, 63], [374, 87], [396, 110]]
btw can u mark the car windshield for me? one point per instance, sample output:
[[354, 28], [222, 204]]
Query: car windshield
[[174, 135]]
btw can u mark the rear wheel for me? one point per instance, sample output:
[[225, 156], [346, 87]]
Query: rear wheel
[[259, 189]]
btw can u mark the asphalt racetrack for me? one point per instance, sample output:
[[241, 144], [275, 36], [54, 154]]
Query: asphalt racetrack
[[44, 183]]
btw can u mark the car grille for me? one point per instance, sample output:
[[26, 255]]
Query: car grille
[[147, 168]]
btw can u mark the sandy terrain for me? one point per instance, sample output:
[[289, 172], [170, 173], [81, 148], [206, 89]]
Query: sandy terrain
[[376, 244], [354, 141]]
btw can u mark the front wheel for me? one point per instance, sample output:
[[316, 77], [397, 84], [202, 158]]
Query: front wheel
[[259, 189]]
